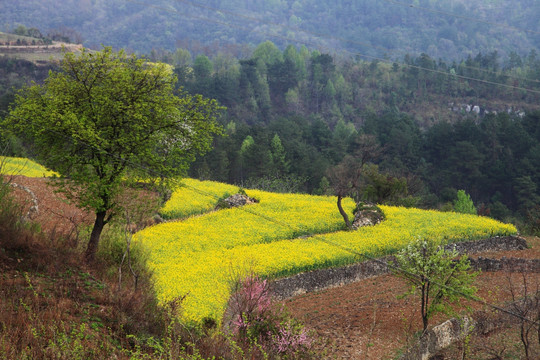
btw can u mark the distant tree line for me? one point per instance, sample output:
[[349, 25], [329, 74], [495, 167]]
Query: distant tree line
[[274, 83], [294, 114], [61, 34], [369, 27]]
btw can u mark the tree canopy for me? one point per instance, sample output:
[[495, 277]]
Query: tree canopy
[[106, 117], [369, 27], [432, 271]]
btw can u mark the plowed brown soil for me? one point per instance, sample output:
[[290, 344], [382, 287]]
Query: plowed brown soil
[[370, 319], [54, 212]]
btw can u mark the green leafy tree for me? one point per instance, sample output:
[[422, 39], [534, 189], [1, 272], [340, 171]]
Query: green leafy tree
[[324, 187], [292, 55], [107, 117], [464, 204], [202, 69], [182, 57], [280, 163], [247, 145], [432, 271], [20, 30], [268, 52]]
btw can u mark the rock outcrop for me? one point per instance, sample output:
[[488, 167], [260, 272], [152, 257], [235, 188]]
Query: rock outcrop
[[367, 215], [235, 201]]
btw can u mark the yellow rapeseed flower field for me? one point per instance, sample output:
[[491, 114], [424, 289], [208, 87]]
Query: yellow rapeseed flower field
[[282, 235], [23, 166], [194, 197]]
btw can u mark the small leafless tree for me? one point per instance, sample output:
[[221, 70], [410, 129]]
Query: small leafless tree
[[366, 149], [345, 179], [526, 305]]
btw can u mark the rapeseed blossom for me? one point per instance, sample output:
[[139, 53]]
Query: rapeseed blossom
[[193, 197], [282, 235], [24, 167]]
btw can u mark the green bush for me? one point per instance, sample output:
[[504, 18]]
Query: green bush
[[464, 204], [435, 276]]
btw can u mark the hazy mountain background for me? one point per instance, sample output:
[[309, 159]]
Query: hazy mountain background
[[448, 29]]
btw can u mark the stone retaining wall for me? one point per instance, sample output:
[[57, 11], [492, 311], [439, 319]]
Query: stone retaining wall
[[506, 264], [451, 331], [439, 336], [327, 278]]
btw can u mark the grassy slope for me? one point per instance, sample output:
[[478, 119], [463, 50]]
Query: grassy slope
[[6, 37], [202, 256], [53, 306]]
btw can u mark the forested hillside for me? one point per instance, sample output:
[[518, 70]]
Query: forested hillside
[[16, 73], [437, 95], [156, 119], [433, 127], [450, 29]]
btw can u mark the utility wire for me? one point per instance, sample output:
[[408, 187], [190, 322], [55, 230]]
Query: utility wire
[[319, 237], [364, 256], [463, 77], [330, 37]]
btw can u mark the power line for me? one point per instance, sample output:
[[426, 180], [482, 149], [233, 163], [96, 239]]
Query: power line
[[463, 77], [330, 37], [389, 265], [319, 237]]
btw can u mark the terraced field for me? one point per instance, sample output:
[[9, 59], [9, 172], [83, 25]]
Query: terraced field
[[284, 234], [279, 236], [200, 252], [24, 167]]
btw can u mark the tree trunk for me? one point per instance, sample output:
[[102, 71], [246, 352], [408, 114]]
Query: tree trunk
[[94, 236], [343, 213], [424, 307]]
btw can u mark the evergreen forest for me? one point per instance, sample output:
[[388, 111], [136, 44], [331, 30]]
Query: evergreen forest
[[423, 128], [193, 134], [436, 127]]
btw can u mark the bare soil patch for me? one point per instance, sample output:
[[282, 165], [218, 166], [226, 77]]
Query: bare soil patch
[[58, 216], [55, 214], [52, 304], [369, 320]]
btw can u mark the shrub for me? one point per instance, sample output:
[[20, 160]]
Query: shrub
[[257, 321], [464, 204]]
